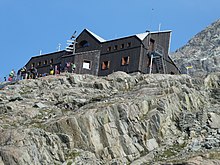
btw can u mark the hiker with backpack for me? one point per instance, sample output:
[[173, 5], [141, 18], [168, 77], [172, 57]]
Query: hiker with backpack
[[11, 75], [24, 73]]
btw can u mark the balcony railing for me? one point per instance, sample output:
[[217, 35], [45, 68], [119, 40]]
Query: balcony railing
[[157, 51]]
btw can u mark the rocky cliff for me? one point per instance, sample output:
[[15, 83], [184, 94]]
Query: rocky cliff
[[202, 52], [118, 119]]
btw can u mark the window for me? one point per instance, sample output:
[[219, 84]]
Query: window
[[45, 62], [84, 43], [32, 65], [86, 64], [51, 61], [109, 49], [129, 44], [116, 47], [105, 65], [125, 60], [39, 64], [152, 43], [122, 46]]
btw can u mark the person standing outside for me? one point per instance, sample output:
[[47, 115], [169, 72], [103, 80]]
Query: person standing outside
[[56, 70], [11, 75], [73, 67], [51, 70]]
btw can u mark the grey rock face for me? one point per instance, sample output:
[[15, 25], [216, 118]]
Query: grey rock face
[[152, 144], [118, 119], [214, 120], [202, 52]]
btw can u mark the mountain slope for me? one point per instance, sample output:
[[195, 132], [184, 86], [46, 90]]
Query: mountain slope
[[202, 52], [119, 119]]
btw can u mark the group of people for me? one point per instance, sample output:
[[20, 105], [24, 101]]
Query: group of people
[[68, 67], [22, 73], [32, 73]]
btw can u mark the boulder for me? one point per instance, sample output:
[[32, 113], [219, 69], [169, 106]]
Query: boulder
[[214, 120], [152, 144]]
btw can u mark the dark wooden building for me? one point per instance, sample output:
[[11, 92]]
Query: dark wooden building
[[146, 53]]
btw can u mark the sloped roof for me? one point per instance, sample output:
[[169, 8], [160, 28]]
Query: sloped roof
[[141, 36], [100, 39]]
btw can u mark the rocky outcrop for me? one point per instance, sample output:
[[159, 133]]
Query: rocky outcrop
[[118, 119], [202, 52]]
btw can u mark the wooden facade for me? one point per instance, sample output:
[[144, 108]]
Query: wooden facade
[[146, 53]]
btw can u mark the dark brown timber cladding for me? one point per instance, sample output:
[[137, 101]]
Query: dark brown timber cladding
[[87, 62], [144, 60], [160, 38], [171, 67], [163, 39], [93, 55], [122, 54], [43, 62], [86, 42]]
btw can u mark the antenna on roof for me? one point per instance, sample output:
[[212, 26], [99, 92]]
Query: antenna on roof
[[40, 52], [59, 47], [159, 27], [74, 35]]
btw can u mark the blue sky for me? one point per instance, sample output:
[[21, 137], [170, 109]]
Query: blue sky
[[30, 26]]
